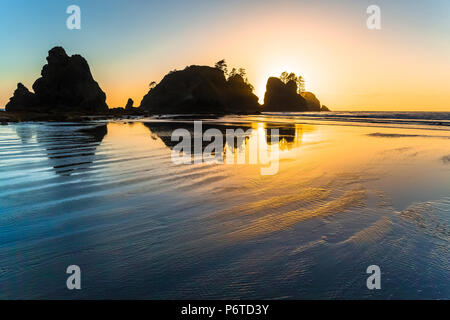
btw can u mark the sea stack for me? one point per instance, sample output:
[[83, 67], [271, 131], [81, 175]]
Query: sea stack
[[200, 90], [283, 97], [129, 105], [66, 85]]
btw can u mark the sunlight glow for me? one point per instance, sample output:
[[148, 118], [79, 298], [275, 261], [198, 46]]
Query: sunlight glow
[[275, 70]]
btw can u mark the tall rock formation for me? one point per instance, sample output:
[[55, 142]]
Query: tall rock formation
[[129, 105], [283, 97], [66, 85]]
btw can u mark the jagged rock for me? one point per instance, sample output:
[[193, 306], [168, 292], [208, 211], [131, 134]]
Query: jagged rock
[[129, 105], [324, 108], [23, 100], [200, 89], [66, 85], [281, 97], [240, 97], [312, 102]]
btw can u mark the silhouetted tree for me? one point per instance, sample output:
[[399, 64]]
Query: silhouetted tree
[[300, 81], [243, 73], [283, 77], [233, 72], [292, 77], [152, 85], [222, 65], [286, 77], [301, 84]]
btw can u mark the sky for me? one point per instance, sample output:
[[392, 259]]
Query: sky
[[129, 43]]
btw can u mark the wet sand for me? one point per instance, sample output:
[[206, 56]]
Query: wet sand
[[107, 197]]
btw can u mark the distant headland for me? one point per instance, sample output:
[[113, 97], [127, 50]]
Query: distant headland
[[67, 90]]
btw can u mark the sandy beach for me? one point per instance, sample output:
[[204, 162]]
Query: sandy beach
[[106, 196]]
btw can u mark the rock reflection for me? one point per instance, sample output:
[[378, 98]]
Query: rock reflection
[[289, 135], [71, 148], [25, 133]]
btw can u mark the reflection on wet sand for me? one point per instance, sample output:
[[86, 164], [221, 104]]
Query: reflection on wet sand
[[277, 203], [109, 196], [273, 209], [25, 133], [71, 149], [239, 139], [282, 220]]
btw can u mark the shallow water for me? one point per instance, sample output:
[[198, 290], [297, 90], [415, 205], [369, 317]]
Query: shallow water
[[106, 196]]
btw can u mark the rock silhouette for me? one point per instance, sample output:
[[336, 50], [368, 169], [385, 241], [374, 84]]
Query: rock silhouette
[[283, 97], [312, 102], [66, 85], [23, 100], [69, 148], [288, 134], [129, 105], [200, 90], [66, 89]]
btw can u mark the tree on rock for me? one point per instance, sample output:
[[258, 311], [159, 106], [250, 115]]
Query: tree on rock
[[222, 65], [300, 81]]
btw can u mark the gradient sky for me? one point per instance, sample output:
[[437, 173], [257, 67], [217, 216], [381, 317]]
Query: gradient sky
[[129, 43]]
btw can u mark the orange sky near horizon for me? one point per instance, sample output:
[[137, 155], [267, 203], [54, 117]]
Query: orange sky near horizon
[[346, 65]]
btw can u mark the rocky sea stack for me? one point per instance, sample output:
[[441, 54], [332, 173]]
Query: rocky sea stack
[[129, 105], [67, 91], [286, 94], [283, 97], [201, 90], [312, 102], [66, 85]]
